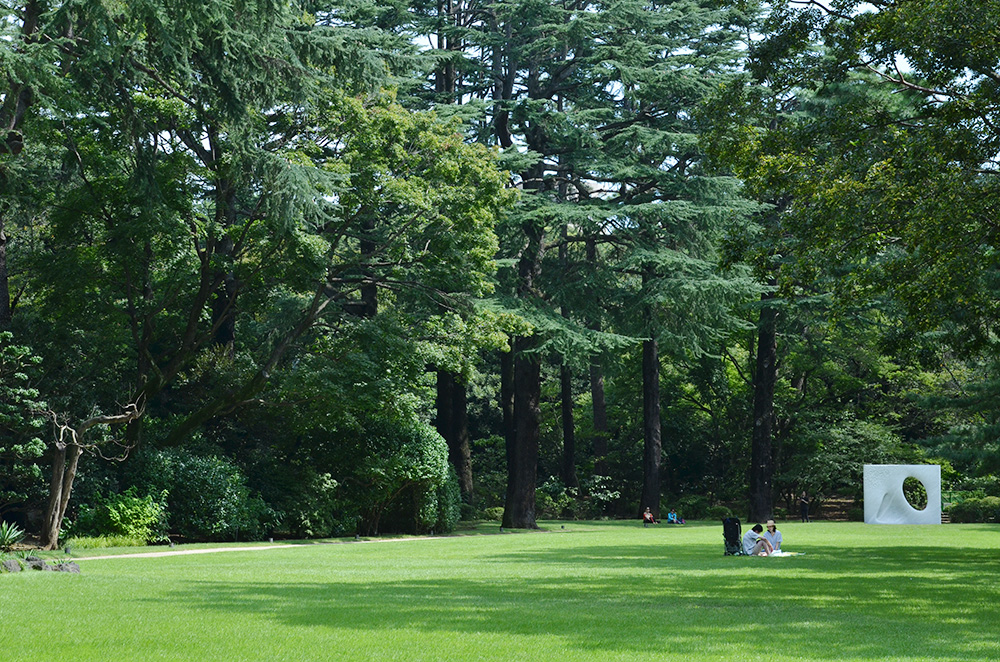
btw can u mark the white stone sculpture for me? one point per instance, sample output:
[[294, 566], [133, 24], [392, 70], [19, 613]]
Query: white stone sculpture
[[884, 499]]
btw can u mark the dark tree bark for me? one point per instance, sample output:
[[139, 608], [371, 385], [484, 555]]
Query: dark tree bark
[[5, 311], [653, 447], [224, 304], [68, 448], [568, 470], [519, 511], [569, 435], [453, 426], [446, 76], [765, 378], [600, 408], [522, 460], [600, 442], [507, 411]]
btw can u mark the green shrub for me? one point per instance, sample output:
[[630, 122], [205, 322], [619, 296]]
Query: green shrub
[[553, 499], [494, 514], [449, 503], [398, 467], [312, 512], [10, 535], [984, 509], [715, 513], [856, 514], [211, 501], [102, 542], [207, 497], [126, 515], [693, 506], [596, 497]]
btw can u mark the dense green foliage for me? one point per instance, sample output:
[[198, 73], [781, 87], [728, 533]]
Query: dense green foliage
[[21, 425], [203, 497], [976, 509], [264, 232], [125, 515]]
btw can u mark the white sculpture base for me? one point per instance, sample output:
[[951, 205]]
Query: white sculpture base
[[884, 499]]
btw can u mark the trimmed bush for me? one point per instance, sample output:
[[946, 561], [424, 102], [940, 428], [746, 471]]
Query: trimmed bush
[[693, 506], [207, 497], [715, 512], [124, 515], [313, 510], [103, 542], [985, 509], [394, 481], [494, 514], [449, 503]]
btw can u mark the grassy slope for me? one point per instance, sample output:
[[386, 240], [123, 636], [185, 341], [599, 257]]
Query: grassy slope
[[591, 591]]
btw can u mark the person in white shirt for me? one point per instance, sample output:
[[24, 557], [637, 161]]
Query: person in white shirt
[[754, 544], [772, 535]]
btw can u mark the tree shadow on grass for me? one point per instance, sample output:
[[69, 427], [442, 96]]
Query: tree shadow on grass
[[905, 603]]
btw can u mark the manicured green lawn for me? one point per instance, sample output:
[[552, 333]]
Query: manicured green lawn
[[592, 591]]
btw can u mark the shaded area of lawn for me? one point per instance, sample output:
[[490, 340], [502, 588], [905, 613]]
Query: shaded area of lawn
[[659, 601]]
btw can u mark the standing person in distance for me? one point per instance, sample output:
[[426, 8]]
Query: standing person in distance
[[804, 506]]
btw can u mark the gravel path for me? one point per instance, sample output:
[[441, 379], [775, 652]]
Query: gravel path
[[216, 550]]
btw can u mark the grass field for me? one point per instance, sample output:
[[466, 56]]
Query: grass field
[[592, 591]]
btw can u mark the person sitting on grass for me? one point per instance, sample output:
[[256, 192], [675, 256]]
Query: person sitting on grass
[[754, 544], [772, 535], [674, 518], [647, 518]]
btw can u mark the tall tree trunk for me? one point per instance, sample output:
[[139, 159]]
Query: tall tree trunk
[[224, 304], [65, 460], [600, 442], [652, 448], [446, 76], [453, 426], [507, 411], [519, 511], [5, 311], [569, 477], [522, 461], [568, 472], [765, 378], [598, 403]]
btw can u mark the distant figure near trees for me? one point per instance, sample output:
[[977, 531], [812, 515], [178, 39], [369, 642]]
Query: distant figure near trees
[[647, 518], [674, 518], [804, 506]]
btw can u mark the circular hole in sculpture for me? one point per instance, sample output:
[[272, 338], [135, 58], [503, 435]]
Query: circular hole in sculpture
[[915, 493]]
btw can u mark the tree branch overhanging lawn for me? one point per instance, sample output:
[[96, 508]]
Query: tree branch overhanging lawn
[[591, 591]]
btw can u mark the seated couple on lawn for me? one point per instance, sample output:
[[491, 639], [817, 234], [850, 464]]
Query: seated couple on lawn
[[757, 542], [672, 518]]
